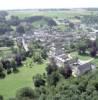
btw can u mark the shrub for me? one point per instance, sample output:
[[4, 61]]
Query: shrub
[[2, 75], [37, 58], [66, 71], [18, 59], [15, 70], [51, 68], [44, 54], [1, 67], [1, 97], [53, 79], [38, 81], [8, 71], [25, 93], [6, 64]]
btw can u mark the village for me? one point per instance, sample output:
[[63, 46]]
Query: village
[[48, 51], [55, 40]]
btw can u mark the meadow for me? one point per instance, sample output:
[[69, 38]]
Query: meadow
[[85, 57], [5, 51], [53, 14], [13, 82]]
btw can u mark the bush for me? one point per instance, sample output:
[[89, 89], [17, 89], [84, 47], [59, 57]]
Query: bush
[[51, 68], [15, 70], [53, 79], [9, 71], [93, 52], [6, 64], [29, 54], [66, 71], [37, 58], [18, 60], [2, 75], [25, 94], [13, 63], [38, 81], [1, 97], [1, 67], [23, 56], [44, 54]]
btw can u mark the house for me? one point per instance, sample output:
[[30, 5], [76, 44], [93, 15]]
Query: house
[[80, 68], [60, 60], [60, 57]]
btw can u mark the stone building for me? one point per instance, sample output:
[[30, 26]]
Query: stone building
[[79, 68]]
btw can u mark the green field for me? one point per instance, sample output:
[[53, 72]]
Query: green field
[[82, 57], [53, 14], [5, 51], [85, 57], [70, 14], [23, 78]]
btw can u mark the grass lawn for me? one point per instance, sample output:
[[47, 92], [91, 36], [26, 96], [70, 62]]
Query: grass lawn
[[14, 82], [5, 51], [95, 61], [85, 57], [82, 57]]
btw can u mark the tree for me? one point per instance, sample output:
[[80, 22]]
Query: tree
[[51, 22], [38, 81], [1, 97], [51, 68], [6, 63], [95, 84], [1, 67], [14, 20], [20, 29], [4, 27], [37, 57], [2, 74], [93, 52], [71, 25], [90, 89], [82, 47], [97, 42], [3, 13], [14, 65], [66, 71], [53, 79], [18, 59], [82, 85], [72, 46], [44, 54], [6, 42]]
